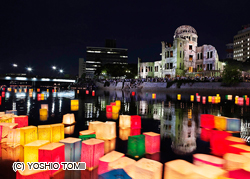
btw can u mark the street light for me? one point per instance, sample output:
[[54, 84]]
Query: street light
[[14, 65], [54, 67], [29, 69], [61, 71]]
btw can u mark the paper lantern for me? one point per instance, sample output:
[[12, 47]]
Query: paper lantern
[[114, 174], [53, 152], [12, 153], [31, 150], [86, 132], [57, 132], [218, 142], [152, 142], [74, 108], [136, 146], [238, 148], [6, 128], [86, 137], [11, 112], [220, 123], [3, 94], [30, 174], [217, 99], [153, 96], [198, 98], [69, 130], [213, 99], [92, 150], [106, 159], [42, 96], [178, 96], [124, 121], [72, 149], [124, 133], [94, 125], [133, 93], [87, 91], [1, 129], [115, 116], [239, 174], [200, 159], [44, 132], [106, 130], [38, 97], [9, 89], [13, 139], [236, 99], [43, 118], [38, 90], [207, 121], [247, 101], [115, 109], [108, 108], [205, 134], [74, 102], [155, 156], [109, 145], [53, 90], [210, 172], [230, 140], [45, 106], [233, 124], [22, 121], [240, 101], [47, 90], [135, 122], [147, 169], [93, 93], [191, 97], [28, 134], [135, 132], [209, 99], [234, 161], [15, 90], [43, 112], [229, 97], [118, 103], [68, 119]]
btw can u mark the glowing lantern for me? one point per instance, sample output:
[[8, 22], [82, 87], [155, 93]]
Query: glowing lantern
[[3, 94], [47, 90], [74, 108], [233, 124], [86, 132], [68, 119], [74, 102], [240, 101], [30, 94], [218, 142], [11, 112], [203, 99], [136, 146], [45, 106], [69, 130], [205, 134], [200, 159], [21, 120], [118, 103], [133, 93], [1, 131], [115, 116], [106, 159], [53, 152], [135, 132], [94, 125], [77, 91], [86, 137], [198, 98], [43, 112], [108, 108], [28, 174], [52, 90], [55, 90], [209, 99], [39, 97], [43, 118], [42, 96], [210, 172], [229, 97], [106, 130], [31, 150], [109, 145], [207, 121], [217, 99], [44, 132], [191, 97], [57, 132], [124, 133], [115, 109], [152, 142], [234, 140], [196, 94], [28, 134], [93, 149], [13, 139], [93, 93], [135, 122], [109, 115], [113, 174], [220, 123], [87, 91], [147, 169], [234, 161], [9, 89], [179, 97], [72, 149], [213, 99], [38, 90], [13, 153], [236, 99], [6, 128], [247, 101], [124, 121], [153, 96], [15, 90], [113, 104], [238, 148]]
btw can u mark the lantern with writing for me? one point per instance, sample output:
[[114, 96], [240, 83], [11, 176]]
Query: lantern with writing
[[207, 121], [28, 134], [87, 91], [179, 97], [109, 145], [110, 115], [124, 133], [191, 97], [44, 132], [136, 146], [31, 150], [53, 152], [218, 142], [220, 123], [106, 159], [106, 130], [30, 174], [93, 150], [234, 161], [113, 174], [135, 122], [57, 132], [86, 132], [94, 125], [21, 120], [69, 119], [200, 159], [233, 124], [124, 121], [13, 139], [152, 142], [73, 148]]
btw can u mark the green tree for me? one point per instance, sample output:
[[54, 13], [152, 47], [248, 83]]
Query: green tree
[[231, 75]]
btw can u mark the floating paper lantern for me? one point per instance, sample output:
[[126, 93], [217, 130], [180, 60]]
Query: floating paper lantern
[[200, 159], [133, 93], [220, 123], [44, 132], [30, 174], [247, 101], [114, 174], [229, 97], [135, 132], [11, 112], [109, 115], [147, 169], [1, 131], [106, 130], [198, 98], [87, 91], [31, 150], [115, 109], [234, 161], [135, 121], [93, 93], [124, 133], [136, 146], [86, 132], [45, 106], [218, 142], [124, 121], [69, 130], [217, 99], [12, 153], [94, 125], [236, 99], [13, 139], [21, 120], [196, 94], [207, 121], [77, 91], [108, 108], [203, 99], [43, 118], [28, 134], [234, 140], [3, 94], [179, 97], [238, 148], [113, 104], [9, 89], [213, 99], [92, 150], [43, 112], [118, 103], [38, 97], [74, 108], [86, 137], [57, 132], [53, 90], [47, 90], [6, 128], [74, 102], [233, 124], [115, 116], [15, 90], [209, 99], [210, 172], [106, 159], [38, 90], [109, 145], [240, 101], [205, 134], [153, 96], [53, 152], [68, 119], [152, 142], [42, 96], [72, 149], [191, 97]]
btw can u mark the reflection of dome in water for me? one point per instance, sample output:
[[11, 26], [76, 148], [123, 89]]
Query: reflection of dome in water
[[183, 30], [183, 148]]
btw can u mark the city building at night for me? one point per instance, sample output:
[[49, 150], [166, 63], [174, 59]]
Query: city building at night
[[183, 57], [229, 50], [82, 67], [242, 44]]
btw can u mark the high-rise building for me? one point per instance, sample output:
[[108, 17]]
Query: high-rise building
[[82, 67], [97, 56], [242, 44], [229, 50]]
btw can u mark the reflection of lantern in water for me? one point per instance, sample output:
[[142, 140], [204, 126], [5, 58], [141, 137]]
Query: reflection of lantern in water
[[153, 96], [135, 121], [93, 93], [189, 113], [191, 97], [236, 99], [133, 93], [118, 104], [39, 97], [233, 124], [69, 130], [31, 150], [178, 96], [207, 121], [43, 118], [109, 145], [13, 153], [57, 132], [68, 119], [42, 96], [200, 159], [15, 90], [209, 99], [74, 108], [220, 123], [152, 142], [124, 133], [45, 106], [124, 121], [43, 112], [11, 112], [21, 120], [28, 134], [115, 116], [3, 94], [44, 132], [74, 102], [155, 156], [106, 159], [198, 98], [240, 101], [135, 132], [136, 146], [73, 148], [47, 90], [109, 115], [106, 130], [213, 99], [93, 150], [94, 125]]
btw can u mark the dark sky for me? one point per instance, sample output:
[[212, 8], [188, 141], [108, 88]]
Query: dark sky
[[44, 33]]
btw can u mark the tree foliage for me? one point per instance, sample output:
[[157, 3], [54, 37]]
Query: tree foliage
[[231, 75]]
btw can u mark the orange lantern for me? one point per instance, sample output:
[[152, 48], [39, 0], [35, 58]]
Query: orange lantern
[[86, 132], [69, 130], [234, 161], [115, 116], [220, 122], [13, 139], [28, 134], [94, 125], [153, 96]]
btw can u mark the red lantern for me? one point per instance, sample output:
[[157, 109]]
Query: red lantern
[[108, 108], [239, 174], [135, 122], [22, 121], [247, 101], [38, 90], [3, 94], [133, 93], [198, 98], [3, 89], [109, 115], [205, 134], [204, 99], [207, 121], [87, 91], [197, 94], [238, 148], [218, 142], [52, 90], [113, 104], [135, 132], [38, 97], [152, 142], [213, 99], [93, 93]]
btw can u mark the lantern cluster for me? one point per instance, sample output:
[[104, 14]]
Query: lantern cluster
[[129, 126], [112, 110]]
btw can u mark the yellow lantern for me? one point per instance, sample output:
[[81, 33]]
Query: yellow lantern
[[118, 104], [124, 121], [217, 95], [43, 112], [109, 145], [86, 132], [30, 94], [190, 114], [220, 123], [236, 99], [68, 119], [234, 161], [94, 125], [20, 90], [217, 99], [15, 90], [43, 118], [47, 90], [13, 139], [115, 116], [57, 132], [9, 89], [124, 133], [31, 150], [191, 97], [153, 96], [209, 99], [106, 130], [179, 97], [74, 108], [115, 109], [74, 102], [28, 134], [69, 130], [45, 106], [44, 132]]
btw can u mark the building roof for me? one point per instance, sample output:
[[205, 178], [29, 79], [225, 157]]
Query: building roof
[[184, 29]]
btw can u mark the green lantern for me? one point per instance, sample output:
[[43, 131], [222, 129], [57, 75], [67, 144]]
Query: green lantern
[[226, 97], [86, 137], [136, 146]]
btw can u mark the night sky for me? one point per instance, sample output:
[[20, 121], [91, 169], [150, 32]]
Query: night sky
[[45, 33]]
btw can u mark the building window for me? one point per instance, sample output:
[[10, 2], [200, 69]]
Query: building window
[[190, 47], [167, 65], [207, 54], [167, 54], [180, 65], [198, 56], [190, 57], [171, 65], [211, 66], [194, 39], [201, 56], [146, 69], [207, 66], [211, 54], [181, 44], [151, 69], [141, 69], [171, 53], [180, 54]]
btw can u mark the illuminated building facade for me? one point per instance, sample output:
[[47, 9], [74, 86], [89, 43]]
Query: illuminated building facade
[[82, 67], [183, 57]]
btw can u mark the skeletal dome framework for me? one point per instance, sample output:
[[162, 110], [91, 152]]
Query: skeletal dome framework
[[184, 29]]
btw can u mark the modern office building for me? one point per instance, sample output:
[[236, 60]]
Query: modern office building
[[242, 44], [97, 56], [82, 67], [183, 57], [230, 50]]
